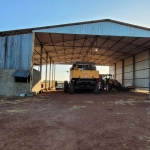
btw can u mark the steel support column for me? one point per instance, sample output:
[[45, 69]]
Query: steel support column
[[122, 72], [115, 71], [54, 73], [41, 53], [149, 75], [134, 70], [50, 74], [46, 71]]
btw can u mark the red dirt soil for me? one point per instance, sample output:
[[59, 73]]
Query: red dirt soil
[[83, 121]]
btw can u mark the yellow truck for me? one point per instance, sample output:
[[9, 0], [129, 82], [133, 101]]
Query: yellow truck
[[83, 75]]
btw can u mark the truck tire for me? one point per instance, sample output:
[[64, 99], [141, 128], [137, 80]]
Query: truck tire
[[71, 88], [55, 83], [119, 88], [108, 87], [96, 89], [65, 86]]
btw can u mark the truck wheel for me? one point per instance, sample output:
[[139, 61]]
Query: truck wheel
[[96, 90], [65, 86], [108, 87], [71, 88], [55, 83], [119, 87]]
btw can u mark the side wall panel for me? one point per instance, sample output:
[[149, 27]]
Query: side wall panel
[[36, 87], [142, 71], [128, 71], [112, 69], [15, 54], [119, 71], [16, 51]]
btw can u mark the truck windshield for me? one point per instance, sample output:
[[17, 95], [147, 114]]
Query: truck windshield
[[87, 67]]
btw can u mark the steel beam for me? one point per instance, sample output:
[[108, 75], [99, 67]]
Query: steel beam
[[149, 75], [50, 74], [115, 71], [46, 70], [54, 73], [134, 70], [122, 72], [41, 53]]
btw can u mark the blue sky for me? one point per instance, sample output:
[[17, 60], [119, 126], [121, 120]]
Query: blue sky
[[19, 14]]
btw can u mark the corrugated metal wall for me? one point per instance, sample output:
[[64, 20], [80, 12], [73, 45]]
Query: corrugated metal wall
[[141, 80], [128, 71], [112, 69], [119, 71], [98, 28], [16, 51], [142, 71]]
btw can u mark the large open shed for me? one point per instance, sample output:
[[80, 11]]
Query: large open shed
[[122, 46]]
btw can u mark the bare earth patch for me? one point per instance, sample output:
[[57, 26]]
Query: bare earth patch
[[83, 121]]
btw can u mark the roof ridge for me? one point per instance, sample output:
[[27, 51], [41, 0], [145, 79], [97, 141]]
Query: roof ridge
[[29, 30]]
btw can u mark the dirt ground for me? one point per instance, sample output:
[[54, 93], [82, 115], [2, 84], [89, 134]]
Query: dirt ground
[[83, 121]]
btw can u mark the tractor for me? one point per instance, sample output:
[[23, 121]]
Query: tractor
[[111, 83]]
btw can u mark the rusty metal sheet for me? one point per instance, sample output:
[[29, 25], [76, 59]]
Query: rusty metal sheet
[[16, 51]]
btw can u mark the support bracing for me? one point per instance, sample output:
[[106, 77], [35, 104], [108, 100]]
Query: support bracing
[[50, 74], [46, 71]]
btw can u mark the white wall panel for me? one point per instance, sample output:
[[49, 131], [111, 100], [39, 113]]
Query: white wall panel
[[119, 64], [141, 82], [119, 77], [112, 72], [128, 68], [141, 65], [128, 82], [142, 73], [128, 75], [142, 56], [128, 61], [128, 71], [112, 69], [119, 71]]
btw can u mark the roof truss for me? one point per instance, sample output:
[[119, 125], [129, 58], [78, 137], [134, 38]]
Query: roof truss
[[102, 50]]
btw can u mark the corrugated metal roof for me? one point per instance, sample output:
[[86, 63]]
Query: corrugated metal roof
[[21, 73], [30, 30], [104, 42], [105, 28]]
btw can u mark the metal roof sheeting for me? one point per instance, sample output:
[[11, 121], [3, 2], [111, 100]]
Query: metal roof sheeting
[[21, 73], [108, 23], [104, 42], [99, 28]]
